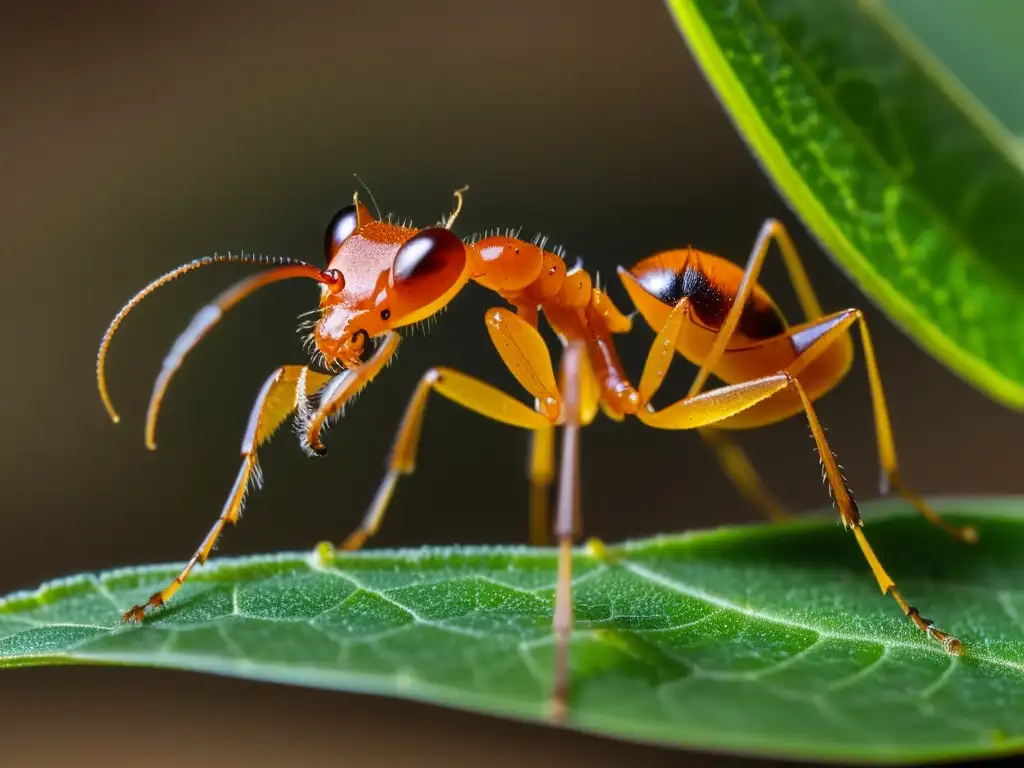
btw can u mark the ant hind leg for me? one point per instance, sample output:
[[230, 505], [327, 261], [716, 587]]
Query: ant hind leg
[[890, 475], [717, 405]]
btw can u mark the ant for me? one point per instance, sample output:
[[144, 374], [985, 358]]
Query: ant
[[381, 277]]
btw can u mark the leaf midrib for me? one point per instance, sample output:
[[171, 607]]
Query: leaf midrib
[[724, 603]]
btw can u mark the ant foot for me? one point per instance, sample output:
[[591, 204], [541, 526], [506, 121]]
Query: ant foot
[[138, 613], [950, 644], [135, 615]]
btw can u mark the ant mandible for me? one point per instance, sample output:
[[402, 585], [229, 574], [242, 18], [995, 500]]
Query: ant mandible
[[381, 277]]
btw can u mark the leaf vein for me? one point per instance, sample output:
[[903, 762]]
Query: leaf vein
[[727, 604]]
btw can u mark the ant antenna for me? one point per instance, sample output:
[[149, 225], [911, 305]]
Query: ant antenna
[[458, 207], [369, 192], [294, 267]]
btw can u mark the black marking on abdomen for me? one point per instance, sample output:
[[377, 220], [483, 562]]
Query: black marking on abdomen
[[709, 303]]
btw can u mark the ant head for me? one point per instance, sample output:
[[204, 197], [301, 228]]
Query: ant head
[[386, 277]]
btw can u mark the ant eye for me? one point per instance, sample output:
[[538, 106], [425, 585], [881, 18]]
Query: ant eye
[[425, 271], [343, 224], [433, 256]]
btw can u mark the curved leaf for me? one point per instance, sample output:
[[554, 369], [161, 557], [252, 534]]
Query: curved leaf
[[770, 639], [910, 185]]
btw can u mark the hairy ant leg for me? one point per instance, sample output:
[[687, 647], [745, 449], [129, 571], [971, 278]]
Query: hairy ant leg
[[284, 392]]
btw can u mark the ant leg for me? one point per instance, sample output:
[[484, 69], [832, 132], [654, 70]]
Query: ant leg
[[663, 350], [834, 327], [541, 468], [527, 357], [771, 230], [852, 521], [468, 392], [284, 392], [737, 467], [540, 471], [586, 383], [566, 516], [717, 405], [890, 476], [730, 456], [525, 354], [611, 316], [664, 347], [344, 387]]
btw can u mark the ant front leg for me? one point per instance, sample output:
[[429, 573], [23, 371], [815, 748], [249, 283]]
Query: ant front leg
[[342, 388], [283, 393]]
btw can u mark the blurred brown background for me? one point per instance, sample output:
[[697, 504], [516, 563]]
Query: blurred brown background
[[134, 137]]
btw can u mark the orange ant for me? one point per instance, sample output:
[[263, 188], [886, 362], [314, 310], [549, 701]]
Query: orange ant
[[381, 277]]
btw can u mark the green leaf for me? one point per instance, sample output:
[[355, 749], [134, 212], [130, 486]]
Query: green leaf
[[913, 187], [978, 41], [769, 639]]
